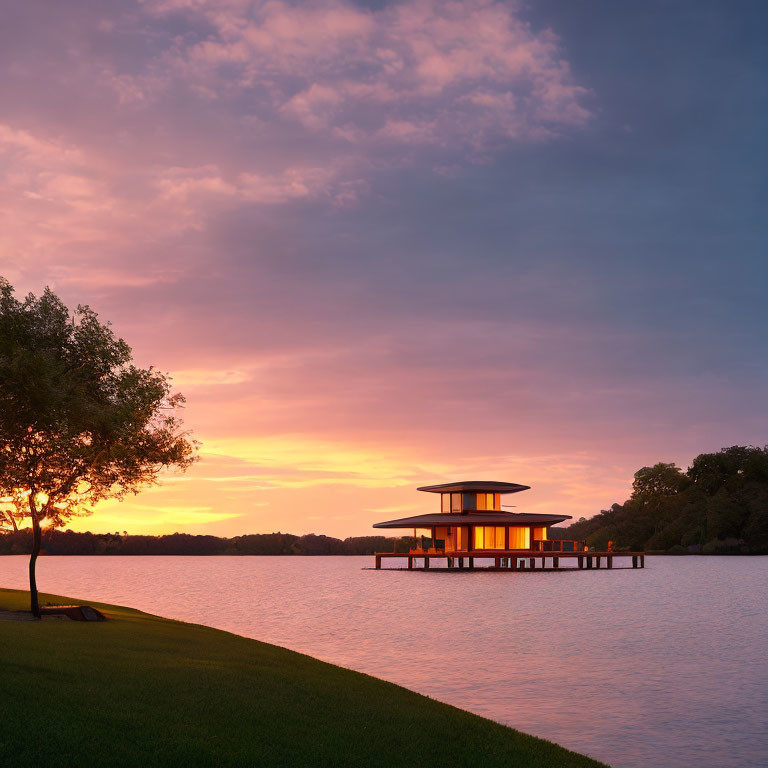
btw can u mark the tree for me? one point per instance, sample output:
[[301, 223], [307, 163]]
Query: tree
[[659, 480], [713, 471], [79, 422]]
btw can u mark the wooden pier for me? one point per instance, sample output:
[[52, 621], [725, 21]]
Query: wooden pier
[[511, 560]]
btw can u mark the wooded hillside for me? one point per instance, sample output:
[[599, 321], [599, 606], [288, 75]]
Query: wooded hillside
[[719, 505]]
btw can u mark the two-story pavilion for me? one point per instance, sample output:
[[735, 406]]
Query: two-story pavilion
[[472, 524], [471, 519]]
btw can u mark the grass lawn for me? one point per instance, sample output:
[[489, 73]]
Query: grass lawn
[[139, 690]]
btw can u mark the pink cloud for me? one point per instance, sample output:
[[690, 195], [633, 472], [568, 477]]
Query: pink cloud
[[258, 103], [357, 71]]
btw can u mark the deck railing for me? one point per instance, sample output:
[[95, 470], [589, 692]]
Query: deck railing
[[438, 547], [558, 545]]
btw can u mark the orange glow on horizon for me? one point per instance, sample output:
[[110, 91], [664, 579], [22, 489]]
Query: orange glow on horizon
[[299, 484]]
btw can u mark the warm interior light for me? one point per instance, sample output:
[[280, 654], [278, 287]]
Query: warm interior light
[[519, 538], [489, 537]]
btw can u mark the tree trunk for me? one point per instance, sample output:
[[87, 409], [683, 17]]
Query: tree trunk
[[36, 540]]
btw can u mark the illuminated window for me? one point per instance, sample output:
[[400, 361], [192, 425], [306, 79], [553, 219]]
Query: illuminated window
[[519, 538], [446, 502], [489, 537], [447, 536], [489, 501], [540, 534]]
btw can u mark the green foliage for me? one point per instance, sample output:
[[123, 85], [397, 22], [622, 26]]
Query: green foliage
[[79, 422], [718, 506], [138, 690], [659, 480]]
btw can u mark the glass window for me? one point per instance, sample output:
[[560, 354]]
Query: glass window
[[443, 538], [455, 502], [489, 501], [489, 537], [446, 502], [519, 538], [540, 534]]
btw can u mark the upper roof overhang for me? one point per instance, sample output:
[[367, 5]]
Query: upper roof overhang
[[487, 486], [472, 518]]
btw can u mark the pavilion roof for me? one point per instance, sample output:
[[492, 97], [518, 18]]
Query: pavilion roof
[[472, 518], [486, 486]]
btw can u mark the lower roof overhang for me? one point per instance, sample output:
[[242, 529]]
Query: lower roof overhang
[[473, 518]]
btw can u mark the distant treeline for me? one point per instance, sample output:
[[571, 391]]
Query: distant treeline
[[72, 543], [719, 505]]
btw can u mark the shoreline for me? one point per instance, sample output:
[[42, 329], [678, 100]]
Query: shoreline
[[294, 709]]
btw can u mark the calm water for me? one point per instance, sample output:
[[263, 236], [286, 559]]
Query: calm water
[[661, 667]]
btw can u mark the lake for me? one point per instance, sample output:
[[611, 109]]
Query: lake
[[662, 667]]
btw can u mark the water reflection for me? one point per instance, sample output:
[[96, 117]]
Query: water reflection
[[659, 667]]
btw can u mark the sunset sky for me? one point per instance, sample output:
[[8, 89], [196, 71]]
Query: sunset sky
[[386, 244]]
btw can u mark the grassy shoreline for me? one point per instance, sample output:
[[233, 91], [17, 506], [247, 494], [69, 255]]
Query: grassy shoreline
[[139, 690]]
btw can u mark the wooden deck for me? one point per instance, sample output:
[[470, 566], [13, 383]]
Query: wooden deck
[[511, 560]]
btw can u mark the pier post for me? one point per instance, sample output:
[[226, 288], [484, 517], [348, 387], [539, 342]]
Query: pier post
[[471, 563], [597, 561], [461, 562], [513, 563], [378, 562], [589, 561], [610, 561], [410, 563], [533, 563], [497, 563], [634, 561], [555, 562], [426, 563], [642, 561], [581, 561], [450, 562]]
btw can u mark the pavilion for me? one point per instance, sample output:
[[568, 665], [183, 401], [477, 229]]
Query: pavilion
[[472, 524]]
